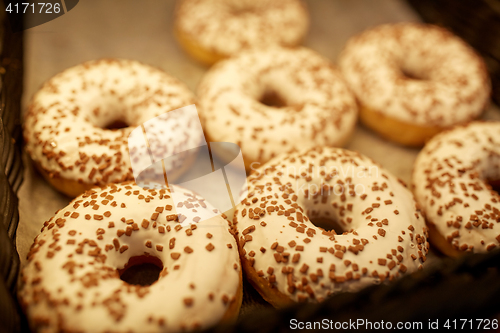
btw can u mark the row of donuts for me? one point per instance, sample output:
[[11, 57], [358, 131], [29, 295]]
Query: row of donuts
[[410, 80], [74, 265], [310, 102]]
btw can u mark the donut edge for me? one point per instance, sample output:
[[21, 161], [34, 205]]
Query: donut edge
[[268, 292], [73, 188], [395, 130], [233, 310], [440, 243], [195, 50]]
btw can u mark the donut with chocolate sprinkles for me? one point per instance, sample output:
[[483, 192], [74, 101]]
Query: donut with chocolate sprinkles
[[454, 181], [211, 30], [72, 283], [323, 221], [77, 125], [276, 100], [413, 80]]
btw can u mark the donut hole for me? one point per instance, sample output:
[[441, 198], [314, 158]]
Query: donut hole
[[327, 224], [412, 75], [241, 10], [272, 98], [239, 7], [116, 125], [111, 116], [413, 67], [495, 185], [141, 270]]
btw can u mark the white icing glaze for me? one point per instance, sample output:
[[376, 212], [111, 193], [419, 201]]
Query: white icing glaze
[[385, 235], [450, 184], [68, 290], [453, 87], [320, 109], [63, 128], [230, 26]]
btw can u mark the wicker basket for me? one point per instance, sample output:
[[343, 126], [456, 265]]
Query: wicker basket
[[467, 288], [464, 288], [476, 21], [11, 73]]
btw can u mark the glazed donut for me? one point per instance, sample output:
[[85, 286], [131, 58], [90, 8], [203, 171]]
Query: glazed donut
[[413, 80], [210, 30], [308, 103], [65, 125], [450, 182], [72, 282], [287, 258]]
